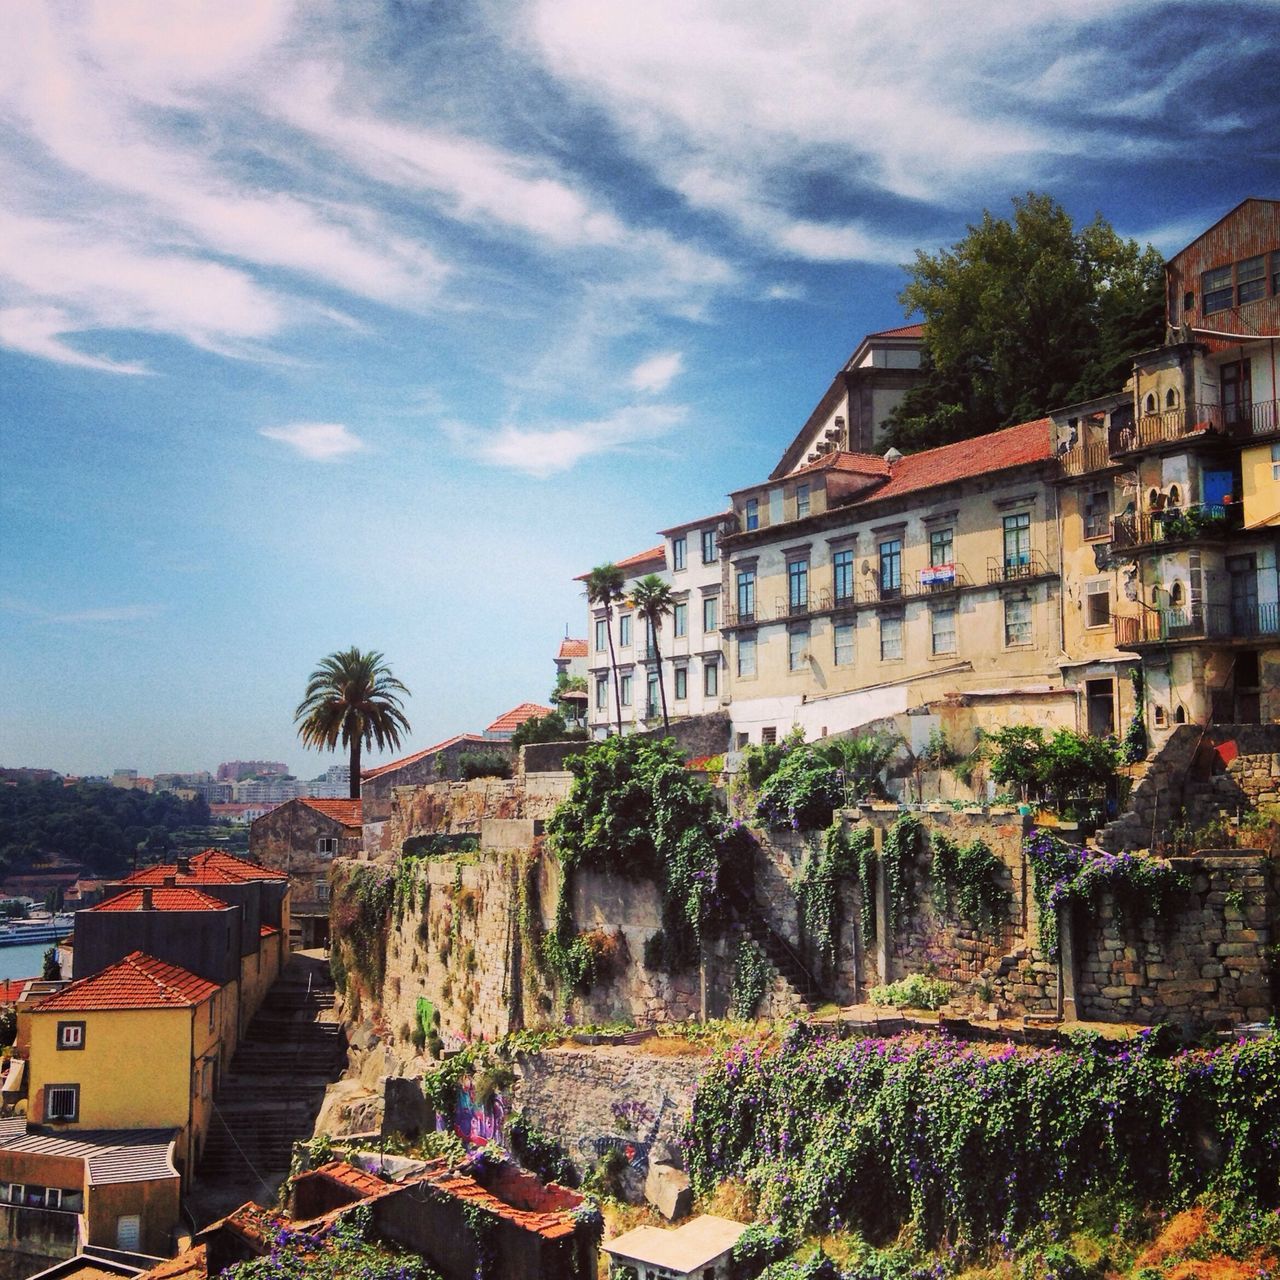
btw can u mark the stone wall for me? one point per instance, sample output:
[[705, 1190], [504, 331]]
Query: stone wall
[[697, 736], [1237, 769], [548, 757], [1207, 960], [423, 769]]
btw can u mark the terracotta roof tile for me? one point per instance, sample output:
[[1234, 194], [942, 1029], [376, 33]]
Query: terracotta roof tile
[[137, 982], [655, 555], [162, 899], [513, 719], [572, 648], [193, 1264], [351, 1176], [864, 464], [366, 774], [212, 866], [902, 331], [551, 1225], [267, 931], [11, 989], [346, 812]]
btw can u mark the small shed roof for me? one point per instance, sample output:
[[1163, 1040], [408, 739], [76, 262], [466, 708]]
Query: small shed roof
[[697, 1243]]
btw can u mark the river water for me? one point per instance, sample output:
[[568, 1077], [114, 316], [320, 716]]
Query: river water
[[24, 961]]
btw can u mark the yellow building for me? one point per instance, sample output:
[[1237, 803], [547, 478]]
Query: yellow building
[[136, 1046], [862, 587]]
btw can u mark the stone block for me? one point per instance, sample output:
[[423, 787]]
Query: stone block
[[667, 1189]]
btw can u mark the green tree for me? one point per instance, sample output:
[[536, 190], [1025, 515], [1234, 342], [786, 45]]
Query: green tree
[[1022, 315], [51, 970], [549, 728], [352, 698], [604, 589], [652, 600]]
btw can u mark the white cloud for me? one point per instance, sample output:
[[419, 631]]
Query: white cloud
[[548, 449], [37, 331], [319, 441], [783, 293], [656, 374], [104, 614]]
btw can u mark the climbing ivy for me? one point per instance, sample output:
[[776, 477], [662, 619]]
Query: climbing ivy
[[365, 893], [1134, 745], [751, 973], [844, 851], [1138, 883], [902, 844], [972, 875]]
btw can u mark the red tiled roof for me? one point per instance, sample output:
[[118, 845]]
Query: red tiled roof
[[348, 1175], [366, 774], [137, 982], [1020, 446], [212, 866], [865, 464], [572, 648], [191, 1265], [163, 898], [902, 331], [267, 931], [514, 718], [11, 989], [346, 812], [655, 555], [550, 1225]]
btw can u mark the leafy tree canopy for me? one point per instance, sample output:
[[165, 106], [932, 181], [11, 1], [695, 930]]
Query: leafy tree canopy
[[548, 728], [1022, 315]]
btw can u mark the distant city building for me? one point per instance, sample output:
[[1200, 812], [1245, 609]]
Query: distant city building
[[273, 790], [128, 780], [235, 770]]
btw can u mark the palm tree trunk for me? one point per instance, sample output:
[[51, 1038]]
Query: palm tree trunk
[[354, 788], [613, 666], [662, 684]]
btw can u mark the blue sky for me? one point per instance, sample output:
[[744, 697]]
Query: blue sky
[[375, 323]]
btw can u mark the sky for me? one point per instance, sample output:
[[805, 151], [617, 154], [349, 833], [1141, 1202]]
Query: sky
[[331, 324]]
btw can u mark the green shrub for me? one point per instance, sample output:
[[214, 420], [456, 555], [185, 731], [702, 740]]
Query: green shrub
[[802, 793], [913, 992], [483, 764]]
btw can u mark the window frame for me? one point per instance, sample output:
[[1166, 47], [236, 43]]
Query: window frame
[[938, 539], [802, 501], [1092, 531], [680, 684], [896, 620], [50, 1090], [602, 635], [624, 630], [679, 619], [935, 613], [1017, 524], [711, 679], [710, 615], [797, 649], [890, 566], [746, 644], [1028, 623], [1096, 589], [798, 584], [746, 586], [679, 554], [842, 574], [64, 1028], [710, 546], [624, 689], [850, 649], [602, 693], [751, 514]]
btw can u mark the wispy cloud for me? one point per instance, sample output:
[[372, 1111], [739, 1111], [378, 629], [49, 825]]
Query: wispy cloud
[[657, 373], [318, 441], [550, 448], [76, 617]]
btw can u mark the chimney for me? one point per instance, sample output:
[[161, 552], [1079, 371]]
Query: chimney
[[146, 897], [171, 882], [184, 866]]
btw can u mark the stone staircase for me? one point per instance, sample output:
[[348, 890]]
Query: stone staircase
[[270, 1097], [780, 954], [1157, 797]]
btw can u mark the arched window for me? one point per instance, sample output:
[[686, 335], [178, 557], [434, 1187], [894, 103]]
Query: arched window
[[1150, 404], [1180, 716], [1177, 596], [1155, 500], [1171, 399], [1175, 496]]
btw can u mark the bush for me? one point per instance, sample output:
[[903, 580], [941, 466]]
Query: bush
[[914, 992], [802, 793], [483, 764]]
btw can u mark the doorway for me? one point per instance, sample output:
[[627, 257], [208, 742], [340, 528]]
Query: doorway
[[1100, 703]]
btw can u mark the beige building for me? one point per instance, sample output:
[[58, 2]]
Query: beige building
[[862, 587]]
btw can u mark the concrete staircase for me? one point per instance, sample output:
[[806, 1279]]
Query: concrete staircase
[[273, 1092]]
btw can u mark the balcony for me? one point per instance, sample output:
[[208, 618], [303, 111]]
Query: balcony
[[938, 578], [1240, 621], [1230, 422], [1085, 458], [1015, 568], [1177, 524]]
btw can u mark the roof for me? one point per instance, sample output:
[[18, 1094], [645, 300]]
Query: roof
[[572, 648], [902, 331], [267, 931], [864, 464], [85, 1266], [693, 524], [366, 774], [350, 1176], [137, 982], [655, 555], [11, 989], [695, 1244], [552, 1224], [162, 899], [190, 1265], [1233, 210], [513, 719], [212, 866], [346, 812], [113, 1155]]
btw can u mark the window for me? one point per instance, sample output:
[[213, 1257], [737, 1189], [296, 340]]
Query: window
[[624, 685], [1097, 601], [842, 576], [802, 501], [710, 610], [943, 621], [1017, 540], [653, 696], [327, 846], [1177, 596], [213, 1007], [602, 635], [678, 548], [797, 586], [890, 639], [602, 692], [1275, 462], [624, 631], [768, 735], [1251, 279], [1171, 399], [941, 547], [890, 567], [682, 683], [680, 618], [746, 595], [1017, 622], [61, 1102], [798, 649], [843, 637], [711, 679], [1215, 289], [71, 1035], [747, 655], [752, 513], [650, 642], [709, 551], [1097, 514]]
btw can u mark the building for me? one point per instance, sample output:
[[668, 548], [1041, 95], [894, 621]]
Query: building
[[436, 763], [503, 729], [571, 696], [91, 1046], [571, 659], [301, 838], [235, 770], [863, 587], [700, 1249]]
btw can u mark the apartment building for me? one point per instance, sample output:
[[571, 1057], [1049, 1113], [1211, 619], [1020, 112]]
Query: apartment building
[[861, 587]]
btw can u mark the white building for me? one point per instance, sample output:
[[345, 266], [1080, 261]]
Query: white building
[[700, 1249]]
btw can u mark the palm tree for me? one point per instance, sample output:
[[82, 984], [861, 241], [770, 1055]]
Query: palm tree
[[652, 600], [604, 588], [352, 697]]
